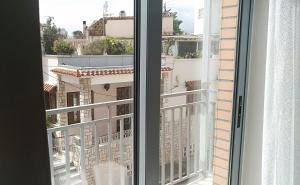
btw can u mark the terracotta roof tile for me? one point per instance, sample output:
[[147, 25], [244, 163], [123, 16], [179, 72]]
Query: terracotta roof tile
[[97, 72], [49, 87]]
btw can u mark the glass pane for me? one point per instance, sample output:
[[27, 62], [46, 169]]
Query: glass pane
[[88, 59], [198, 65]]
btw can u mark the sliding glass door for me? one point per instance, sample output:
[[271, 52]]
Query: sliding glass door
[[199, 55], [159, 93], [89, 53]]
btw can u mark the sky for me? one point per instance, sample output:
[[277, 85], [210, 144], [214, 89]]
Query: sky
[[69, 14]]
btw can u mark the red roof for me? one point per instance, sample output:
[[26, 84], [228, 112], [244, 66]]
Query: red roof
[[49, 87], [97, 72]]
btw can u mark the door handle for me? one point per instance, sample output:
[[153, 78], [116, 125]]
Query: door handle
[[240, 110]]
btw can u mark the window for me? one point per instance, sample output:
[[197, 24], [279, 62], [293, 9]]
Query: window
[[93, 69], [73, 100], [196, 114], [124, 93], [90, 61]]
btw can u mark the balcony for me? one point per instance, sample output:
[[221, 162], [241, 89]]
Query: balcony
[[90, 151]]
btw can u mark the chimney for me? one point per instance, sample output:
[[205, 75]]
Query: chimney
[[122, 13], [84, 28]]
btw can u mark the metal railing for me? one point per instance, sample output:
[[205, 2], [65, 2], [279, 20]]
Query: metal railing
[[73, 145]]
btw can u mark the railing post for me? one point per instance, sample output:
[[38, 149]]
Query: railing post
[[96, 143], [50, 148], [188, 141], [212, 121], [67, 155], [132, 144], [196, 137], [162, 148], [82, 152], [109, 144], [180, 143], [121, 150], [172, 147]]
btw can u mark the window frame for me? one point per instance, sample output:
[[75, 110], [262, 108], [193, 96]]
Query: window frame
[[147, 69], [146, 97], [25, 159], [242, 59]]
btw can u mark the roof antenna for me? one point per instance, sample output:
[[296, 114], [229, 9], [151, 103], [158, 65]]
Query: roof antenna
[[105, 9]]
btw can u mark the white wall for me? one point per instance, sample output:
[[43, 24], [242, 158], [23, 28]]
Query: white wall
[[252, 153], [189, 70], [120, 28], [100, 95], [167, 25], [215, 13], [112, 79], [112, 27], [49, 62], [198, 22]]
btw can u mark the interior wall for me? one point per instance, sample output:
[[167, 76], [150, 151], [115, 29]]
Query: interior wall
[[24, 157], [252, 152]]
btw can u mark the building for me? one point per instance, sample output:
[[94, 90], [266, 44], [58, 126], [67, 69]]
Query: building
[[109, 26]]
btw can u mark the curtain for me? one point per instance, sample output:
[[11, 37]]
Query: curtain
[[281, 129]]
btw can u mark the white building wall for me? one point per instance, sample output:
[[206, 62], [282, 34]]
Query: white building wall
[[167, 25], [100, 95], [120, 28], [215, 13], [112, 27], [49, 62], [198, 19], [112, 79], [189, 70]]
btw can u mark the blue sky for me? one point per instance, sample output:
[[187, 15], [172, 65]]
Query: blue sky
[[69, 14]]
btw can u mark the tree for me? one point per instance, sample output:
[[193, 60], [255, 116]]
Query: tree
[[167, 44], [176, 24], [50, 34], [114, 46], [129, 48], [96, 47], [109, 45], [78, 34], [62, 47]]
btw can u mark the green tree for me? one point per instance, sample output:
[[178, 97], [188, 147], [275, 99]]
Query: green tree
[[114, 46], [109, 45], [78, 34], [96, 47], [62, 47], [167, 44], [176, 25], [50, 34], [129, 48]]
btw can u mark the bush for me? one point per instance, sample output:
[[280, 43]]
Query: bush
[[109, 45], [96, 47], [129, 48], [114, 47], [62, 47]]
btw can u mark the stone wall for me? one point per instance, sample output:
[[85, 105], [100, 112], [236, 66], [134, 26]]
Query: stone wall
[[62, 118]]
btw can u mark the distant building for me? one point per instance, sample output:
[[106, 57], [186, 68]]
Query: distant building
[[110, 26], [214, 15]]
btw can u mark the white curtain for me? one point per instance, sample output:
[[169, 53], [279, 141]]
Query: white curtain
[[281, 129]]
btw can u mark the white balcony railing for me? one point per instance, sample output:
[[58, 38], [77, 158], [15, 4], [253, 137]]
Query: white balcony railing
[[76, 149]]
